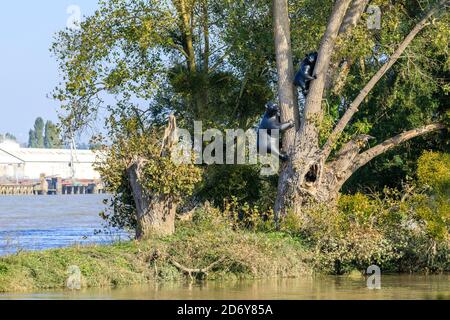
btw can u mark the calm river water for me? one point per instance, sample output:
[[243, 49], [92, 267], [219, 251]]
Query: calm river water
[[44, 222], [319, 287]]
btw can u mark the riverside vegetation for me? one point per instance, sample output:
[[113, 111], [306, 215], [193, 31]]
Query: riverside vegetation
[[368, 180], [399, 231]]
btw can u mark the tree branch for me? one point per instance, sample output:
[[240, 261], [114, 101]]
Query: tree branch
[[287, 93], [313, 106], [329, 145], [351, 19], [368, 155], [353, 15], [197, 271]]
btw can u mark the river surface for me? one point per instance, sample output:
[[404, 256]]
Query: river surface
[[393, 287], [45, 222]]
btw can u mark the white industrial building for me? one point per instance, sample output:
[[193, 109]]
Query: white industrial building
[[18, 163]]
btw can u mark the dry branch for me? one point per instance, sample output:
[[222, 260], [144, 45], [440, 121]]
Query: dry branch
[[313, 105], [353, 15], [197, 272], [328, 147], [368, 155]]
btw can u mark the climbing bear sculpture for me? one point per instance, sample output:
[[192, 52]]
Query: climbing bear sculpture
[[305, 75], [268, 142]]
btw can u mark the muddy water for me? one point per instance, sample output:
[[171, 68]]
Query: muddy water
[[319, 287]]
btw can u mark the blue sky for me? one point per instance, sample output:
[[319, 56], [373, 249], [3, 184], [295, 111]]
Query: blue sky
[[28, 72]]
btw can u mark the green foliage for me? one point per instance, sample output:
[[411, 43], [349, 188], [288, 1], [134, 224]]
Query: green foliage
[[434, 207], [32, 143], [398, 230], [52, 138], [136, 53], [339, 243], [413, 93], [434, 170], [36, 136], [243, 183], [39, 132], [248, 217], [44, 135]]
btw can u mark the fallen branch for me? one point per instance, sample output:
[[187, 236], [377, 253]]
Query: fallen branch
[[197, 272]]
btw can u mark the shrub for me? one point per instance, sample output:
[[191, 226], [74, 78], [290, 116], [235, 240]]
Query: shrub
[[340, 242], [398, 230], [433, 169], [241, 183]]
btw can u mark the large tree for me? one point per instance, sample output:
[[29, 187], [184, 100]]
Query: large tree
[[52, 139], [198, 59], [215, 61], [318, 167], [36, 136]]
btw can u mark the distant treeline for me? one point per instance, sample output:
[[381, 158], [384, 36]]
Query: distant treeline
[[7, 136], [44, 135], [47, 135]]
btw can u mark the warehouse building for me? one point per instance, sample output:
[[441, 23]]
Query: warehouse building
[[18, 163]]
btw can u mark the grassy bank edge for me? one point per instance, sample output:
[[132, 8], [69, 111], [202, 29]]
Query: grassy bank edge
[[230, 254]]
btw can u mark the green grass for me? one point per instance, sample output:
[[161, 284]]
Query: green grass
[[245, 254]]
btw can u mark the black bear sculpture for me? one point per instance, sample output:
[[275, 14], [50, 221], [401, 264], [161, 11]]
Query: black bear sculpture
[[305, 75], [267, 141]]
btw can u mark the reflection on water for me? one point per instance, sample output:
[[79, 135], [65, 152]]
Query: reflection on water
[[319, 287], [44, 222]]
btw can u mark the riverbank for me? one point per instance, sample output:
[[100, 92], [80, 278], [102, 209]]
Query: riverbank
[[197, 250], [213, 246]]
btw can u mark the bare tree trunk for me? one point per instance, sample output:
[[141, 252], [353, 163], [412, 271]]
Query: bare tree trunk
[[155, 213], [287, 93], [303, 163]]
